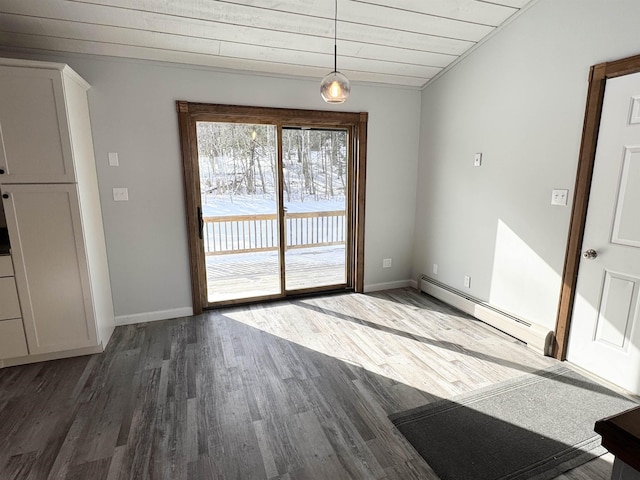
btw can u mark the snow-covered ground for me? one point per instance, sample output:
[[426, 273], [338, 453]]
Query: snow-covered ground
[[215, 205]]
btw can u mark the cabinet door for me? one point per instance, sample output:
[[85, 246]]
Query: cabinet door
[[34, 131], [50, 266]]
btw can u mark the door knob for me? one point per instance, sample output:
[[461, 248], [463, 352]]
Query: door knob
[[590, 254], [5, 195]]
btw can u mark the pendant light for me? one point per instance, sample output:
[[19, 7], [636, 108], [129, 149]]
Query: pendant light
[[335, 87]]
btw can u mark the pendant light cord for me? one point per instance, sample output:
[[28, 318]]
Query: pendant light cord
[[335, 40]]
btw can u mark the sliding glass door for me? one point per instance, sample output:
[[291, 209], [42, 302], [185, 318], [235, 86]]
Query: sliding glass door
[[315, 184], [239, 208], [275, 200]]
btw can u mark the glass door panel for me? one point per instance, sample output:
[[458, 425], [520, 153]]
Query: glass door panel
[[315, 184], [239, 210]]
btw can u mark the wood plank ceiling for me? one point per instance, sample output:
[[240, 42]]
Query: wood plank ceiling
[[398, 42]]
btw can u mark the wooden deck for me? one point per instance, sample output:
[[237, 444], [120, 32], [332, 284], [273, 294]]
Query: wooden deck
[[247, 275]]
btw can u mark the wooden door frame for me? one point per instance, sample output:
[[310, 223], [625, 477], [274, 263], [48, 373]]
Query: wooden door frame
[[189, 113], [598, 76]]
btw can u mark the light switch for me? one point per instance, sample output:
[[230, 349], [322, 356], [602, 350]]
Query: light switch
[[113, 159], [121, 194], [559, 197], [477, 160]]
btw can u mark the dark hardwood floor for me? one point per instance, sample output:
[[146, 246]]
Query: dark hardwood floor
[[297, 389]]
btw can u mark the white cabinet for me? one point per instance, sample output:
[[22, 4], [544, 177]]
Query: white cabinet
[[9, 304], [12, 340], [6, 268], [49, 258], [50, 197], [33, 128]]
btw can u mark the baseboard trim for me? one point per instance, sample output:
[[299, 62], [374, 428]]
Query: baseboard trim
[[376, 287], [154, 316]]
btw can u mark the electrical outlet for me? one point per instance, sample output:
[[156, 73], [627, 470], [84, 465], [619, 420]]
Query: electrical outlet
[[559, 197], [386, 263], [435, 268], [120, 194], [467, 281]]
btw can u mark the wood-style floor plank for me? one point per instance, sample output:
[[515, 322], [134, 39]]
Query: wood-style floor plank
[[297, 389]]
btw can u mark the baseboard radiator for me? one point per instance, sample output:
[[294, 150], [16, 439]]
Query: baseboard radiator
[[536, 337]]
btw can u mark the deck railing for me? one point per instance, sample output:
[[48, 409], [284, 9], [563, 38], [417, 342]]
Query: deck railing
[[254, 233]]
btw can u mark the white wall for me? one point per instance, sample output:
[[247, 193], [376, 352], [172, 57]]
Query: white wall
[[132, 105], [519, 99]]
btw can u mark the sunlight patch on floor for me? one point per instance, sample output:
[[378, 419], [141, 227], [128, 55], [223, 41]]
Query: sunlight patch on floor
[[417, 347]]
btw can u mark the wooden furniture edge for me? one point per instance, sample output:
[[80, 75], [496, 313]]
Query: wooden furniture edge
[[619, 441]]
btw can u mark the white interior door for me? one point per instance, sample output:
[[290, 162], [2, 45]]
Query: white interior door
[[605, 325]]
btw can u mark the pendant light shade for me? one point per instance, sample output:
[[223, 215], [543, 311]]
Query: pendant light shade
[[335, 87]]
